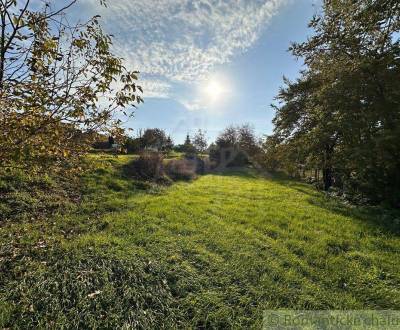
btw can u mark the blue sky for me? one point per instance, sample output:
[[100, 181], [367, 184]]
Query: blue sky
[[206, 63]]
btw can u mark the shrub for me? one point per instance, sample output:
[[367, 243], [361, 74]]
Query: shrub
[[149, 166], [164, 180], [132, 146], [229, 156], [203, 165], [200, 165], [181, 169], [240, 158], [101, 145]]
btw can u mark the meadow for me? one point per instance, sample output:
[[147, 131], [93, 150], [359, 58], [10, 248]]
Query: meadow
[[211, 253]]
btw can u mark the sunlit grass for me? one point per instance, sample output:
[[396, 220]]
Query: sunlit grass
[[215, 252]]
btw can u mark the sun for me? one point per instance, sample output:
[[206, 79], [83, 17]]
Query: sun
[[214, 90]]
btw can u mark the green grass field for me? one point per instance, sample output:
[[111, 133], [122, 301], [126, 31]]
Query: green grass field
[[212, 253]]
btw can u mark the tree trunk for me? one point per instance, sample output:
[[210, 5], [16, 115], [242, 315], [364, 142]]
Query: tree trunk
[[327, 178], [327, 173]]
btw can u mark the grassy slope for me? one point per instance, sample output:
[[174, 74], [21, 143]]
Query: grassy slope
[[215, 252]]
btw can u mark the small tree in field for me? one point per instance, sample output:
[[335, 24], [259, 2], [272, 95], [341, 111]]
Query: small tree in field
[[200, 141], [169, 144], [154, 138], [188, 141], [59, 83], [188, 146], [235, 146]]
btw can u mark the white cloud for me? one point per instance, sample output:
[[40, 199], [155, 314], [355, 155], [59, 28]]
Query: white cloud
[[155, 88], [192, 105], [182, 40]]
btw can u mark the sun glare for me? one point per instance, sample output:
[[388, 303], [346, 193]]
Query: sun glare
[[214, 90]]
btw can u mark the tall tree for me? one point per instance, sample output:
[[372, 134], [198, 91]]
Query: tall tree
[[344, 112], [247, 139]]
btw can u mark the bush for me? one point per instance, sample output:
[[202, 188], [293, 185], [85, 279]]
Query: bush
[[132, 146], [101, 145], [203, 165], [240, 158], [200, 166], [149, 166], [181, 169], [229, 157]]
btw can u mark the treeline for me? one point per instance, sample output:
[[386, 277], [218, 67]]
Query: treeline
[[152, 139], [342, 116], [234, 146]]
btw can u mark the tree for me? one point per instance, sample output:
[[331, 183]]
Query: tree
[[271, 158], [169, 144], [343, 113], [188, 142], [132, 145], [247, 140], [188, 147], [59, 83], [154, 138], [227, 138], [235, 146], [111, 141], [200, 141]]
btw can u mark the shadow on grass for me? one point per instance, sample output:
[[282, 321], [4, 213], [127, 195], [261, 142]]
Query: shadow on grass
[[384, 219], [240, 172], [117, 180], [379, 218]]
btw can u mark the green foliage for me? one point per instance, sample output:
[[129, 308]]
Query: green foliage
[[270, 157], [133, 145], [188, 147], [168, 145], [151, 166], [342, 115]]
